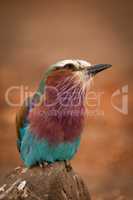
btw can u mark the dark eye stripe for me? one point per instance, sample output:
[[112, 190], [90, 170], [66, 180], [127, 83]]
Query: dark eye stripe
[[67, 66], [70, 66]]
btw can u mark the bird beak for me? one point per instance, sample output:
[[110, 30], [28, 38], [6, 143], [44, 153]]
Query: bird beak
[[94, 69]]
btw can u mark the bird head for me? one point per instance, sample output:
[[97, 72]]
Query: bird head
[[66, 73], [80, 69], [81, 66]]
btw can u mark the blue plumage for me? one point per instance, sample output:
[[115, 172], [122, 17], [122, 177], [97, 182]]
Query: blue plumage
[[34, 150]]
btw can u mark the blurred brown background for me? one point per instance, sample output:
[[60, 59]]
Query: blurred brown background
[[35, 34]]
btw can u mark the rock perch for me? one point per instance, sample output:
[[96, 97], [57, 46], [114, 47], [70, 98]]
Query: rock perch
[[51, 182]]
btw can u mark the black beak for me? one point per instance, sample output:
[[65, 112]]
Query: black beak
[[94, 69]]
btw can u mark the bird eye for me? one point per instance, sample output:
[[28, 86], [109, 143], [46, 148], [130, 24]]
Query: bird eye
[[70, 66]]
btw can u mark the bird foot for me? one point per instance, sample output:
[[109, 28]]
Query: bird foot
[[43, 164], [68, 165]]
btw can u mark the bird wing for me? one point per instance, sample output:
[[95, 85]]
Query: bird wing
[[21, 120], [22, 115]]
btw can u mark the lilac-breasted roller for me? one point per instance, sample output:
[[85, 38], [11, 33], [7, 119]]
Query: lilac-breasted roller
[[50, 123]]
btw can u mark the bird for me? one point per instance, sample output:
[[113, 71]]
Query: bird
[[50, 123]]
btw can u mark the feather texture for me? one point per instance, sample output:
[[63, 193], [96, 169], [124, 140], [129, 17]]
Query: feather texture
[[35, 150], [45, 137]]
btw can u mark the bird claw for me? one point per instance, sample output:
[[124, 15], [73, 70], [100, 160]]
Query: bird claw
[[43, 164], [68, 165]]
